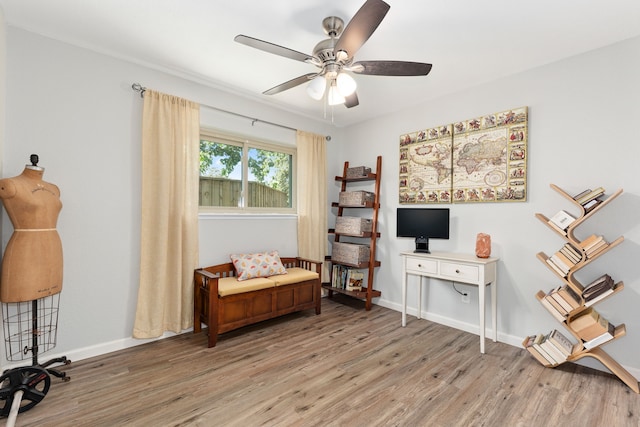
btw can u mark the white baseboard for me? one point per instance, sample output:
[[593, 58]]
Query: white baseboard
[[89, 352]]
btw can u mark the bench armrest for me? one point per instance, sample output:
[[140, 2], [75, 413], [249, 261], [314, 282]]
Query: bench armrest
[[310, 264]]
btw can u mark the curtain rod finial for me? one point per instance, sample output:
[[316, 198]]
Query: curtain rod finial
[[139, 88], [328, 137]]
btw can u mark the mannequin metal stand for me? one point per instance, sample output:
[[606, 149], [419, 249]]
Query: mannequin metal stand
[[33, 322]]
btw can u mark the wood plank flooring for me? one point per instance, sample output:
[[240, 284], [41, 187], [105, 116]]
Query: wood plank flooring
[[345, 367]]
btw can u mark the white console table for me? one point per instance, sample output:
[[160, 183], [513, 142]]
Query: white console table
[[462, 268]]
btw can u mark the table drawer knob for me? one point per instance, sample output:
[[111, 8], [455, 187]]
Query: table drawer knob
[[457, 271]]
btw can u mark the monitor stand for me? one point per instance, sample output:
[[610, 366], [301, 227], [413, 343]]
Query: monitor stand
[[422, 245]]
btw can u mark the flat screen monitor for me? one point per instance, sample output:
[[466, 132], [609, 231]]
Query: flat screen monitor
[[423, 224]]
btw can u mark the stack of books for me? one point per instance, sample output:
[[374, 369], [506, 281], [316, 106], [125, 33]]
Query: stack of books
[[550, 349], [560, 302], [589, 199], [564, 260], [346, 278], [597, 290], [593, 245]]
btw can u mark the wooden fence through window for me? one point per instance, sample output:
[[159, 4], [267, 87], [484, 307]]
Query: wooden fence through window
[[226, 192]]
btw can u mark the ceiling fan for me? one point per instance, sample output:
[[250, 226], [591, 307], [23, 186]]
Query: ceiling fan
[[335, 56]]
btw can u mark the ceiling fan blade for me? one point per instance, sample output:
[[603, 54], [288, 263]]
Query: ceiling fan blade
[[272, 48], [390, 68], [361, 26], [290, 84], [351, 100]]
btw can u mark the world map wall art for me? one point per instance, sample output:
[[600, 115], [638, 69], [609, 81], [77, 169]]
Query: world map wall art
[[478, 160]]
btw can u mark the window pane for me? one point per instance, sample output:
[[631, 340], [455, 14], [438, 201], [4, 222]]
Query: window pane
[[220, 174], [269, 179]]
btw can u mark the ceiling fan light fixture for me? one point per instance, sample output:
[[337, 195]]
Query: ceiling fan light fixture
[[341, 55], [334, 97], [346, 84], [316, 88]]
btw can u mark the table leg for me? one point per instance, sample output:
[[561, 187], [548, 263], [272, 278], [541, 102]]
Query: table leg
[[404, 299], [494, 310], [419, 298], [481, 289]]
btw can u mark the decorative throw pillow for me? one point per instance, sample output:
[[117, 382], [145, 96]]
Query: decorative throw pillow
[[263, 264]]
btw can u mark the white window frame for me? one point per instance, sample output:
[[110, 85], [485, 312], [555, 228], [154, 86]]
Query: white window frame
[[247, 143]]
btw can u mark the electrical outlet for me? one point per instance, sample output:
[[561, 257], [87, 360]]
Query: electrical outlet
[[465, 298]]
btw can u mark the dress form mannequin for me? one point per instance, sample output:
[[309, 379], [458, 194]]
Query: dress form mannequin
[[32, 261]]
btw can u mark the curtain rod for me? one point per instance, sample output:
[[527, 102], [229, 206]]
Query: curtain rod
[[137, 87]]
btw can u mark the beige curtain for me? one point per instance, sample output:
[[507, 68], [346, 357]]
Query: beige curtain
[[169, 230], [312, 196]]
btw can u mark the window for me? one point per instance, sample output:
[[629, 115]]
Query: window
[[245, 175]]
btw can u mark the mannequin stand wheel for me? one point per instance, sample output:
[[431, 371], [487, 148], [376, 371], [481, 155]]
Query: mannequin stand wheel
[[32, 381]]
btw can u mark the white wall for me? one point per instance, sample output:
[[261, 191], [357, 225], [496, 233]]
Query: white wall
[[77, 111], [583, 117]]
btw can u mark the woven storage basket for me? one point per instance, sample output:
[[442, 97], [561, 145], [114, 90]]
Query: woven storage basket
[[358, 172], [349, 253], [355, 198], [353, 225]]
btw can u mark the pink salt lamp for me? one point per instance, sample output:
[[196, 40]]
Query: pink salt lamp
[[483, 245]]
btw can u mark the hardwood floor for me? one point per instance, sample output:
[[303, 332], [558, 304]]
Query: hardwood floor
[[346, 367]]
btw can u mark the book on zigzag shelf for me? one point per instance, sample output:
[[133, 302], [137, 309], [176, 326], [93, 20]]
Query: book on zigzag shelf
[[570, 296], [586, 196], [590, 205], [596, 249], [564, 344], [552, 350], [539, 356], [566, 307], [582, 194], [603, 281], [555, 268], [562, 220], [595, 299], [537, 344], [597, 290], [559, 308], [558, 314], [601, 339], [560, 264], [559, 257], [590, 242], [571, 252]]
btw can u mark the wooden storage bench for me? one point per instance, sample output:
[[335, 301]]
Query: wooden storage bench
[[223, 303]]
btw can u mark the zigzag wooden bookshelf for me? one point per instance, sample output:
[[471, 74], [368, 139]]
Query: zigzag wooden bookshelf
[[579, 351]]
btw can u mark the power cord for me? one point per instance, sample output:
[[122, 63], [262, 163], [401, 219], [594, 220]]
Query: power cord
[[464, 294]]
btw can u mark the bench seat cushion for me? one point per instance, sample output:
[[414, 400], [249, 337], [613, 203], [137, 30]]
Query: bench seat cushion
[[231, 285], [294, 275]]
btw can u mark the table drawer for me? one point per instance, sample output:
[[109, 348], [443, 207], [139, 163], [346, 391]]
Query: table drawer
[[421, 265], [460, 272]]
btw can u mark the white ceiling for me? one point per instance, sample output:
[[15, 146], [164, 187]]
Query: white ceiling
[[469, 42]]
